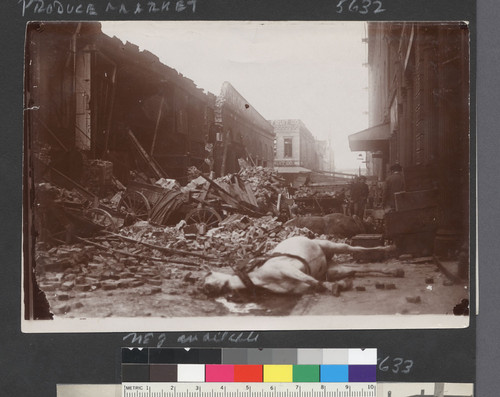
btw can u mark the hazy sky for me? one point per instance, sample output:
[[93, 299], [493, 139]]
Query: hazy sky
[[286, 70]]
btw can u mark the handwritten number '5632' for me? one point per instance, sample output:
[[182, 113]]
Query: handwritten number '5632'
[[363, 9], [398, 365]]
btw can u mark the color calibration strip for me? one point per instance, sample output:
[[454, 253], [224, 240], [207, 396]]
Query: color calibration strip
[[249, 365]]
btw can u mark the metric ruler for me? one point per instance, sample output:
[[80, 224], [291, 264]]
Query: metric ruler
[[154, 389]]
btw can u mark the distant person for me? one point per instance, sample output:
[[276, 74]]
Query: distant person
[[362, 191], [354, 194], [393, 184]]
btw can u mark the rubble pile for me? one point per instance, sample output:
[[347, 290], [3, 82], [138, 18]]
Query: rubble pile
[[68, 272], [264, 183], [115, 261], [305, 191], [237, 237], [241, 237]]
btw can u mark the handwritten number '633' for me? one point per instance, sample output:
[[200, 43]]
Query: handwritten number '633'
[[398, 365], [363, 8]]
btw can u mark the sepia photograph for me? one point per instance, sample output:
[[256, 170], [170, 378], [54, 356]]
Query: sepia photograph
[[246, 175]]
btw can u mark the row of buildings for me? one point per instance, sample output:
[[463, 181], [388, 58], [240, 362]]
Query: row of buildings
[[88, 93], [419, 113]]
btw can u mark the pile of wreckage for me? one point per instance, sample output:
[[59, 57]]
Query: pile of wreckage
[[144, 254], [202, 204]]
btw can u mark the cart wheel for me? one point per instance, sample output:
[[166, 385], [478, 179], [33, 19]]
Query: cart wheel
[[102, 218], [135, 204], [203, 216]]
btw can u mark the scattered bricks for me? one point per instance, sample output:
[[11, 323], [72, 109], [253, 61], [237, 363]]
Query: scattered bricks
[[155, 290], [390, 286], [88, 280], [63, 297], [429, 280], [125, 283], [69, 277], [154, 282], [78, 305], [379, 285], [146, 273], [81, 280], [136, 283], [406, 257], [132, 269], [82, 287], [95, 266], [62, 309], [104, 275], [67, 286], [126, 274], [413, 299], [109, 285], [399, 273], [167, 274], [70, 270], [360, 288], [48, 287]]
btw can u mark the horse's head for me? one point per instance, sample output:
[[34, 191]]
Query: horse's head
[[215, 283]]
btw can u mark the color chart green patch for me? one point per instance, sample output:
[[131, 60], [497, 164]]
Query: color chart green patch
[[306, 373]]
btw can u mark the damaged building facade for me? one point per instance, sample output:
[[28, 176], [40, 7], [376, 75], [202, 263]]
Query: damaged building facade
[[419, 114], [97, 98], [247, 134]]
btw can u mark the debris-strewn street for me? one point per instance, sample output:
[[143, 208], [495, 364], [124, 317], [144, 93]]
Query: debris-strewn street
[[160, 275]]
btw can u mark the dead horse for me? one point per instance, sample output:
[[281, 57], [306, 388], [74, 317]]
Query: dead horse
[[296, 265]]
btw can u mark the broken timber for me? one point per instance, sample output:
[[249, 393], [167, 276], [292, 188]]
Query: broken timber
[[154, 167], [110, 251], [241, 205], [163, 249]]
